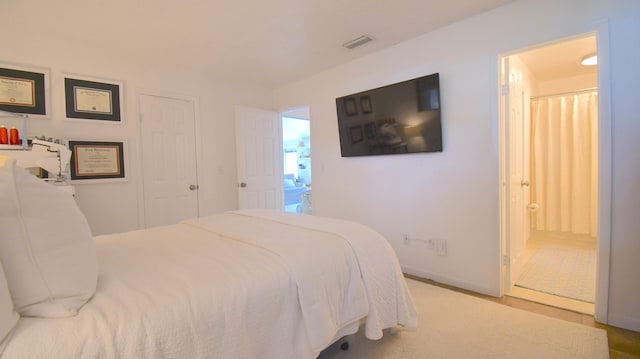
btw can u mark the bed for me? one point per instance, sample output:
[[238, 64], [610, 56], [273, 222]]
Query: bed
[[240, 284]]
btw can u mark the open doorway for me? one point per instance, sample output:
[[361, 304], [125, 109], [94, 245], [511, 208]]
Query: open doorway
[[550, 161], [296, 142]]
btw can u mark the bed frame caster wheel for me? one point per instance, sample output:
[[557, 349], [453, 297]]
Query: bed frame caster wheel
[[344, 346]]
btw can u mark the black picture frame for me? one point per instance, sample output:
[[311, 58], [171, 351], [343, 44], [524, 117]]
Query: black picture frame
[[365, 104], [355, 133], [350, 106], [97, 160], [92, 100], [22, 91]]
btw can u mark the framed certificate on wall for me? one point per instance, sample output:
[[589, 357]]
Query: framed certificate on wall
[[23, 91], [97, 160], [92, 100]]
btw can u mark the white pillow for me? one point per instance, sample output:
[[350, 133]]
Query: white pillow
[[46, 246], [8, 317]]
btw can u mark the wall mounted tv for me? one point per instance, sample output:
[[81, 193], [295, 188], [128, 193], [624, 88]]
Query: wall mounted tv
[[394, 119]]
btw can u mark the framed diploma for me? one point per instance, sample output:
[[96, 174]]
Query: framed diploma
[[92, 100], [22, 91], [96, 160]]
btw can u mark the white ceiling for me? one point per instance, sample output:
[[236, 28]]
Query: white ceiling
[[268, 42], [560, 60]]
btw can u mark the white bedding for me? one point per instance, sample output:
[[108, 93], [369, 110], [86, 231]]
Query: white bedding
[[209, 288], [386, 289]]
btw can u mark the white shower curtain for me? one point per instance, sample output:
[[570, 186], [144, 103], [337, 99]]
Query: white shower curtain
[[564, 163]]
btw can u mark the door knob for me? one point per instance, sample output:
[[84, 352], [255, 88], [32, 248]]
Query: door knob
[[524, 183], [193, 187], [243, 185]]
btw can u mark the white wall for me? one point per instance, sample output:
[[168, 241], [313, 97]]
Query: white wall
[[114, 207], [567, 84], [454, 195]]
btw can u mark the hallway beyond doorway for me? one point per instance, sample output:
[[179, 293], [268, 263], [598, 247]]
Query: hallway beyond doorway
[[297, 160]]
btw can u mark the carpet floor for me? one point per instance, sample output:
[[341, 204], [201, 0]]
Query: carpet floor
[[565, 268], [456, 325]]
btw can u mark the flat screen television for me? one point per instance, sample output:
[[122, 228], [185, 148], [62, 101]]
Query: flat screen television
[[394, 119]]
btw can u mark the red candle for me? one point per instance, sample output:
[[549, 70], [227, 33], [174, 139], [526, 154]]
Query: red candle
[[14, 138], [4, 136]]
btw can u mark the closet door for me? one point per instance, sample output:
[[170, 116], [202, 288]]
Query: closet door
[[167, 130]]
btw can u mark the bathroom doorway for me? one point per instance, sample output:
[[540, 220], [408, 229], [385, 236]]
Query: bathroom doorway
[[550, 161], [296, 141]]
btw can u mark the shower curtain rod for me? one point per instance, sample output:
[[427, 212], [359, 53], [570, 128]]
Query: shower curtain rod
[[565, 93]]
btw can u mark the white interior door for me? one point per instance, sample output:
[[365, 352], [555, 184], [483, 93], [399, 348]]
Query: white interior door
[[516, 183], [167, 129], [259, 151]]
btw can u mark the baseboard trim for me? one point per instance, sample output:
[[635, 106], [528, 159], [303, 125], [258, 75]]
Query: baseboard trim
[[624, 322], [474, 287]]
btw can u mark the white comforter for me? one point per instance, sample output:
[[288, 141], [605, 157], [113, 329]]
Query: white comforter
[[246, 284]]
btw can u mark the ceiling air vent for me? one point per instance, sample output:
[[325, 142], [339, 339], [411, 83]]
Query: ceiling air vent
[[357, 42]]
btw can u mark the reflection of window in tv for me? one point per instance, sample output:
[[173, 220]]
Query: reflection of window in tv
[[428, 93]]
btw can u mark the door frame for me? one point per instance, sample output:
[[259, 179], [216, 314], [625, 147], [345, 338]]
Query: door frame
[[601, 31], [138, 147]]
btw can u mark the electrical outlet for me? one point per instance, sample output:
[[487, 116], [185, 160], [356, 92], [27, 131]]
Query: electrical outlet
[[405, 239], [431, 244], [441, 247]]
